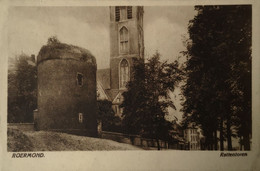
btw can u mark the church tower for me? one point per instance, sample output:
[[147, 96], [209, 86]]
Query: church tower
[[126, 43]]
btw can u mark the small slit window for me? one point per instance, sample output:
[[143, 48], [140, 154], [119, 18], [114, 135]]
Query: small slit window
[[80, 117], [79, 79]]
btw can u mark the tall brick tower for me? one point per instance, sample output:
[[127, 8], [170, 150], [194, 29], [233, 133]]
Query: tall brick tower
[[126, 43]]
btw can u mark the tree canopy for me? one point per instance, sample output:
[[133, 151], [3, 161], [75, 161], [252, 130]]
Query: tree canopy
[[147, 100], [106, 116], [218, 73], [22, 87]]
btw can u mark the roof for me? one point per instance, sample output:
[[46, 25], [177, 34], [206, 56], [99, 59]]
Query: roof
[[102, 93], [59, 50], [103, 76], [113, 93], [118, 97]]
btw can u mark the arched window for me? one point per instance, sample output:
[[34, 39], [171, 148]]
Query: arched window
[[123, 40], [124, 73]]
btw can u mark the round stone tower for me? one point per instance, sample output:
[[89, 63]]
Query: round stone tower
[[67, 89]]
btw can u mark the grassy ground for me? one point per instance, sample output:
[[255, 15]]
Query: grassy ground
[[54, 141]]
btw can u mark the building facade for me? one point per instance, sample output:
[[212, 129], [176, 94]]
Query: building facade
[[192, 137], [126, 45]]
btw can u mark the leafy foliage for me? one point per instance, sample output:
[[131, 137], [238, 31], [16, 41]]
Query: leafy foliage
[[106, 115], [218, 69], [53, 40], [22, 87], [147, 100]]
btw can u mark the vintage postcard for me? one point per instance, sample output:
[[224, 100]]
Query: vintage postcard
[[129, 85]]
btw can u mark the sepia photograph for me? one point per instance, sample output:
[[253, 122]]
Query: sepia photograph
[[129, 85], [95, 78]]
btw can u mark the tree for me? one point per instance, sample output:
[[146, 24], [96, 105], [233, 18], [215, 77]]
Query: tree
[[242, 75], [135, 100], [147, 100], [106, 115], [218, 91], [53, 40], [22, 86]]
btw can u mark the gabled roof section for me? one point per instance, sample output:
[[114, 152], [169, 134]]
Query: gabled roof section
[[118, 99], [103, 76], [102, 94], [113, 93]]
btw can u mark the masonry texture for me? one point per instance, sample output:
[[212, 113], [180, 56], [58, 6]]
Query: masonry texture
[[126, 45], [135, 48], [66, 102]]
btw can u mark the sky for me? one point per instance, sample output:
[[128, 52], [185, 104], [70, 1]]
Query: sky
[[165, 28]]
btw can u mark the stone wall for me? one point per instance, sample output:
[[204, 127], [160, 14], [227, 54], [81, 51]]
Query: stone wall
[[134, 140], [22, 126]]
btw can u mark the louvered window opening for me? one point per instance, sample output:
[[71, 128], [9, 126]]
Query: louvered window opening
[[117, 13], [129, 12]]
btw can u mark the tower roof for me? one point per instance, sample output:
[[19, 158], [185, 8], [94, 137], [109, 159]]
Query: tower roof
[[57, 50]]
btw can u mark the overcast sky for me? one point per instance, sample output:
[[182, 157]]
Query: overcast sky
[[88, 27]]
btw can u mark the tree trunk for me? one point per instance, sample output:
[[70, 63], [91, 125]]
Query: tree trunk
[[229, 134], [210, 141], [240, 143], [221, 135], [158, 144], [215, 141], [207, 144], [246, 142]]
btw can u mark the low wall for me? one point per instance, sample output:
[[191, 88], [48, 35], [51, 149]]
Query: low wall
[[133, 139], [80, 132], [22, 126], [123, 138]]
